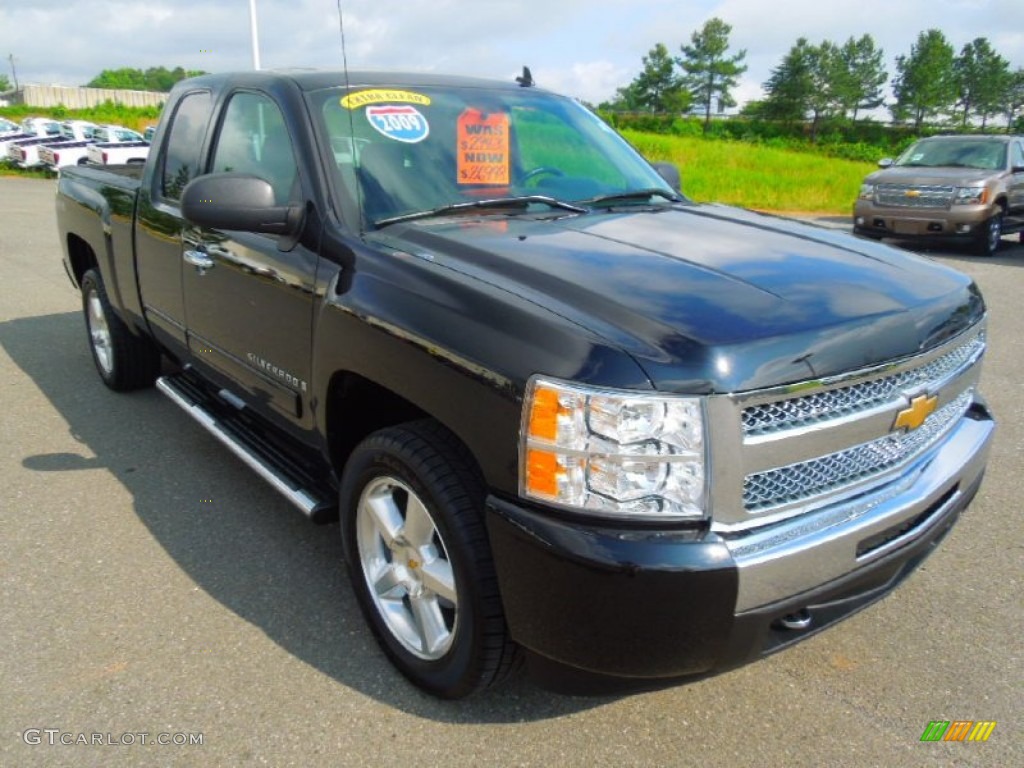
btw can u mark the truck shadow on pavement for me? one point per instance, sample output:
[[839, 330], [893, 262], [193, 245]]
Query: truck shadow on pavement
[[230, 533]]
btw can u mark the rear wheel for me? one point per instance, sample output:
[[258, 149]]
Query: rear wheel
[[123, 360], [990, 235], [419, 559]]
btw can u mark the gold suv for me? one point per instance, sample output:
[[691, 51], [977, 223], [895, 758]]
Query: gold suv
[[969, 188]]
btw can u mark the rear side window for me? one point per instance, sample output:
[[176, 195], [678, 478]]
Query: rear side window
[[1018, 155], [181, 158]]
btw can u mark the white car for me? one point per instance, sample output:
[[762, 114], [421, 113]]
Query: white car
[[117, 147], [26, 153], [76, 152], [6, 127], [31, 128]]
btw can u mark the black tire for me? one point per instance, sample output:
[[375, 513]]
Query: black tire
[[123, 360], [990, 235], [422, 461]]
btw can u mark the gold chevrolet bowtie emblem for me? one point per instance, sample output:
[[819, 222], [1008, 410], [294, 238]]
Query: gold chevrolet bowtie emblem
[[913, 193], [921, 408]]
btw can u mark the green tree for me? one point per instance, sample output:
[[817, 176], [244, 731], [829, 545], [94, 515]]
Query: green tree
[[5, 84], [788, 90], [1013, 100], [709, 72], [859, 83], [982, 78], [657, 88], [152, 79], [925, 83]]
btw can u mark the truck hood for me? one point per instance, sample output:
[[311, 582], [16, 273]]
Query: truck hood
[[955, 177], [710, 298]]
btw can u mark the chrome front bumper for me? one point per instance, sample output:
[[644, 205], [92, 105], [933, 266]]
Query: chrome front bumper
[[781, 561]]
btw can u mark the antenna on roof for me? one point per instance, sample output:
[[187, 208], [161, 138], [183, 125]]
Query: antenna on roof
[[525, 79]]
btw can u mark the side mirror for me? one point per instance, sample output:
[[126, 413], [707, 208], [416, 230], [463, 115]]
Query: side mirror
[[885, 162], [670, 173], [238, 201]]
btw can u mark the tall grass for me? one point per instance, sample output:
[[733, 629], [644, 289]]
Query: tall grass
[[754, 176]]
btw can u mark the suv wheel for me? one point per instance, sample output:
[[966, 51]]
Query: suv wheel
[[990, 235]]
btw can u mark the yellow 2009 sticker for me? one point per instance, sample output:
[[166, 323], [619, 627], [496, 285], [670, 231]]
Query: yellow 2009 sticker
[[381, 95]]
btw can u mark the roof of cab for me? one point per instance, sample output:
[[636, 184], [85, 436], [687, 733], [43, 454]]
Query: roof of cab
[[313, 80]]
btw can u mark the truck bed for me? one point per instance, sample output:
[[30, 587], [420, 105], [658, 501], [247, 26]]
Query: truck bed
[[94, 203]]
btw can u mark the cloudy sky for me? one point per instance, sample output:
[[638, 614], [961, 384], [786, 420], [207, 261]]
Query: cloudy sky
[[584, 48]]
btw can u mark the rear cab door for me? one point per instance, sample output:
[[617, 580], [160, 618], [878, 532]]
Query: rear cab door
[[159, 224]]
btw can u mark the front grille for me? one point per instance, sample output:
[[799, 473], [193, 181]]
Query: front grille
[[914, 196], [799, 482], [839, 403]]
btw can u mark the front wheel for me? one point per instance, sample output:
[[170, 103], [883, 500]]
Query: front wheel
[[419, 559], [123, 360], [990, 235]]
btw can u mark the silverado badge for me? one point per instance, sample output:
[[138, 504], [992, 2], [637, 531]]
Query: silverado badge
[[911, 418]]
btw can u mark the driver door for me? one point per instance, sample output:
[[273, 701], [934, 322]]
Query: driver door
[[248, 303]]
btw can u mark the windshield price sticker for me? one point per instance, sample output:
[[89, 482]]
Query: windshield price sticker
[[484, 148], [383, 95], [400, 122]]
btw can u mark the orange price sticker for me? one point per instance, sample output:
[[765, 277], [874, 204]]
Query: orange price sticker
[[483, 147]]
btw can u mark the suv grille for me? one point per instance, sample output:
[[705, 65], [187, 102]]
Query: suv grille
[[914, 196]]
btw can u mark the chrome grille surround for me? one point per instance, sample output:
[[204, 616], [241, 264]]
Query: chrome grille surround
[[798, 482], [846, 401], [803, 448], [914, 195]]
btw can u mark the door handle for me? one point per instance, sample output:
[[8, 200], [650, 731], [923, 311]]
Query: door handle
[[199, 259]]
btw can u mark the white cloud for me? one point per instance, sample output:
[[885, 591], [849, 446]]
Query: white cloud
[[585, 48]]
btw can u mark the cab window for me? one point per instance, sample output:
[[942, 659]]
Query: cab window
[[180, 162], [254, 139]]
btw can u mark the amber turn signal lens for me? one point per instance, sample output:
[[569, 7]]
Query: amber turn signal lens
[[544, 412], [542, 473]]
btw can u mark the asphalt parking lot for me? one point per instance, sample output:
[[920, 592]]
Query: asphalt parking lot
[[151, 584]]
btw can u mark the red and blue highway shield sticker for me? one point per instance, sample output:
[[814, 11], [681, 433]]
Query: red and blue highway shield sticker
[[401, 122]]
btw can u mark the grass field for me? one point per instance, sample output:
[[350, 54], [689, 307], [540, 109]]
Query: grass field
[[756, 177]]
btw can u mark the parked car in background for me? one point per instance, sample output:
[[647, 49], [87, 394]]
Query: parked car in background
[[25, 153], [30, 128], [149, 133], [116, 146], [76, 152], [969, 188]]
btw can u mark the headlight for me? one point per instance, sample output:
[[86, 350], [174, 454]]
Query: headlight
[[970, 196], [867, 191], [613, 453]]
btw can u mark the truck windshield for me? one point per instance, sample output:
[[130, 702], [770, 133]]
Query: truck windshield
[[409, 150], [954, 153]]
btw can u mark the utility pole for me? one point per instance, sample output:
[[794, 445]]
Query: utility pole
[[14, 72], [255, 35]]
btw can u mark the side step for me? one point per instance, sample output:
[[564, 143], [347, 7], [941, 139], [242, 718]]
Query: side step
[[223, 419]]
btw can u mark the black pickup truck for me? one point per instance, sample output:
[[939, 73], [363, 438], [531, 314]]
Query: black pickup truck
[[565, 415]]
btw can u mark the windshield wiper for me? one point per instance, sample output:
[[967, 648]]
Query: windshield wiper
[[498, 202], [636, 194]]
